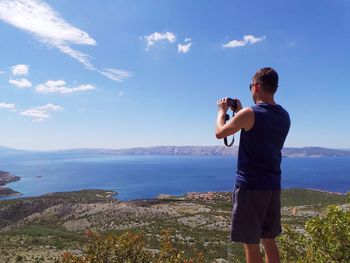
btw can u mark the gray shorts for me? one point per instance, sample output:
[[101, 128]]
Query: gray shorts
[[256, 214]]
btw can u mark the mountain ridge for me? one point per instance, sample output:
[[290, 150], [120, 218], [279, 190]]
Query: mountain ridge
[[291, 152]]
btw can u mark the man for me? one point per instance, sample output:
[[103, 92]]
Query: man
[[264, 127]]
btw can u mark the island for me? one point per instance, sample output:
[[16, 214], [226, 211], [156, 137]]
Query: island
[[5, 178]]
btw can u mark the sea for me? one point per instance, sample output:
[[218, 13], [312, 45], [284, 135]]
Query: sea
[[146, 176]]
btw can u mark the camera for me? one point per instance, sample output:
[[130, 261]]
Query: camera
[[232, 103]]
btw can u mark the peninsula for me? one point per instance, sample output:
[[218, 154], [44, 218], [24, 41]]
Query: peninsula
[[5, 178]]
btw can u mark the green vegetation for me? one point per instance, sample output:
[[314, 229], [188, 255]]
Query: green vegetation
[[302, 197], [129, 247], [41, 229], [325, 239]]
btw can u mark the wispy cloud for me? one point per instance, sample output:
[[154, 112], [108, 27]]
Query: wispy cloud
[[156, 37], [21, 83], [59, 86], [19, 70], [7, 106], [46, 25], [2, 72], [116, 74], [247, 39], [41, 113]]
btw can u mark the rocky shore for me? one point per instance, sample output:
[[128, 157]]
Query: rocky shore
[[5, 178]]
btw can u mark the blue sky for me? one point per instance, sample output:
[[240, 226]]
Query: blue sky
[[116, 74]]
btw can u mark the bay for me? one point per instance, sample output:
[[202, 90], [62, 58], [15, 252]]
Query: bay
[[146, 176]]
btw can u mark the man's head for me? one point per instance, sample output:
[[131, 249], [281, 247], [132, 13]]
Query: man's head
[[265, 83]]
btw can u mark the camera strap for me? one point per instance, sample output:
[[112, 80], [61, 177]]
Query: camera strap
[[227, 117]]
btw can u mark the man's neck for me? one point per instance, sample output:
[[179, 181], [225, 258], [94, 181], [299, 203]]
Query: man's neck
[[266, 100]]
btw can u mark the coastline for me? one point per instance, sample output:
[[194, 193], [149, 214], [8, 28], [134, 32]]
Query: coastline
[[325, 191], [5, 178]]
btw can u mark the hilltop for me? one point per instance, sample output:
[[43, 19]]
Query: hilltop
[[46, 226]]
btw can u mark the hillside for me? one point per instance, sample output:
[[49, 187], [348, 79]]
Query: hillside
[[45, 226]]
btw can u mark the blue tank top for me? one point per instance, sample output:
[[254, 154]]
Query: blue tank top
[[259, 154]]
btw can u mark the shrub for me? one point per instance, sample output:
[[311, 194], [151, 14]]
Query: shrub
[[325, 239], [128, 247]]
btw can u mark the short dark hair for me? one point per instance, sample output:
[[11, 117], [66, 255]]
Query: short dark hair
[[268, 78]]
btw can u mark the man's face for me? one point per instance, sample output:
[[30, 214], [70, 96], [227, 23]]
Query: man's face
[[253, 90]]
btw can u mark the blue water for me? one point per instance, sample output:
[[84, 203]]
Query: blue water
[[135, 177]]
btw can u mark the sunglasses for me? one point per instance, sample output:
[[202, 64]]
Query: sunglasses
[[252, 85]]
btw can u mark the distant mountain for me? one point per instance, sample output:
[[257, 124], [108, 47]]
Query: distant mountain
[[315, 152], [212, 150], [193, 150], [7, 150], [163, 150], [346, 149]]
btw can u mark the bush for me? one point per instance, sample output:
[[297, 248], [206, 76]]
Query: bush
[[129, 247], [325, 239]]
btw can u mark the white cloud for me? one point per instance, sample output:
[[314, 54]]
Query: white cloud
[[156, 36], [21, 83], [20, 69], [46, 25], [187, 39], [184, 48], [50, 107], [116, 74], [41, 113], [59, 86], [247, 39], [39, 19], [2, 72], [7, 106]]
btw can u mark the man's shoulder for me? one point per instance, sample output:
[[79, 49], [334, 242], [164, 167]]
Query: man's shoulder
[[247, 109], [246, 112], [247, 115]]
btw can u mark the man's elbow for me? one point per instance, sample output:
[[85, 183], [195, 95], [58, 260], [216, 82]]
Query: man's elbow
[[219, 137], [219, 134]]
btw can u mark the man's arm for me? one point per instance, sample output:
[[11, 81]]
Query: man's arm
[[244, 119]]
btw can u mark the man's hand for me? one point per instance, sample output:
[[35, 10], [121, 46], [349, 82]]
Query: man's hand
[[244, 119], [222, 105]]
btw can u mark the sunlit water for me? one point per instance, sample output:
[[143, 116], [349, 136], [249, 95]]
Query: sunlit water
[[135, 177]]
